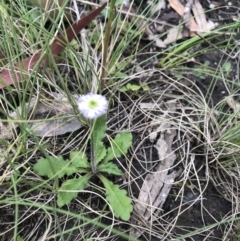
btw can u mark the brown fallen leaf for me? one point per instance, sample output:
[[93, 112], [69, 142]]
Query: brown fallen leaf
[[156, 186], [200, 24], [179, 8], [234, 105], [52, 117], [62, 118], [19, 71], [204, 25]]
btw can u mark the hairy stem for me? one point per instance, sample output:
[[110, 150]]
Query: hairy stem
[[93, 164]]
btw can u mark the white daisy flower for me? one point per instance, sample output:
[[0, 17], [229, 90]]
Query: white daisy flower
[[126, 3], [92, 105]]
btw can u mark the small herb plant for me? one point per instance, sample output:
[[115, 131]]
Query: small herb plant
[[134, 88], [100, 163]]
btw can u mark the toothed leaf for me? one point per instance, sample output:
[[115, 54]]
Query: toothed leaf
[[54, 166], [79, 159], [110, 168], [97, 137], [118, 199], [69, 189], [119, 146]]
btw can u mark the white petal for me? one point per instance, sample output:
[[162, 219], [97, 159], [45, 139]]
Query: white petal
[[92, 113]]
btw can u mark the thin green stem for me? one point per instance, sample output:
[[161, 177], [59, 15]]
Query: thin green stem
[[16, 207], [85, 220], [93, 163]]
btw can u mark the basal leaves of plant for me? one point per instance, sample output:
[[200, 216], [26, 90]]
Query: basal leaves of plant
[[97, 136], [79, 163], [117, 198]]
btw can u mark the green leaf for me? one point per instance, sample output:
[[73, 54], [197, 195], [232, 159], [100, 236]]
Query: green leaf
[[133, 87], [75, 44], [19, 238], [122, 64], [197, 72], [120, 75], [98, 134], [118, 199], [72, 186], [79, 159], [119, 2], [207, 63], [123, 89], [54, 166], [178, 74], [105, 13], [110, 168], [227, 67], [145, 87], [119, 146]]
